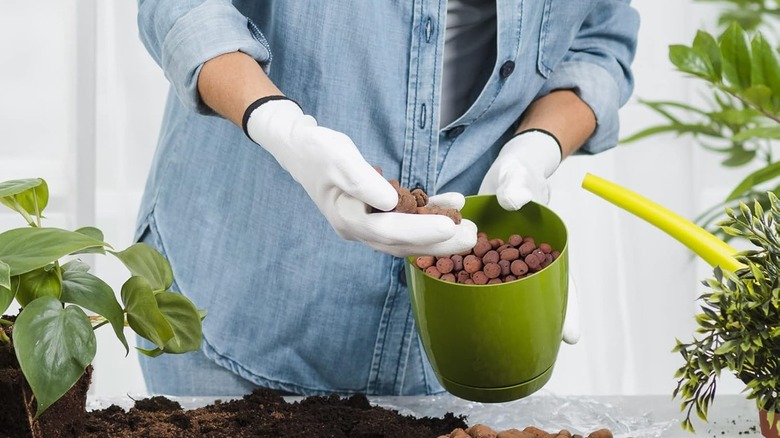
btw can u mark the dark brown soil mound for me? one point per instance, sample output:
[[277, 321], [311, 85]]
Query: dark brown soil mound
[[265, 414]]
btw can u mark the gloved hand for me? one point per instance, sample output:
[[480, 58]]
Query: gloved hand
[[571, 321], [519, 173], [344, 186]]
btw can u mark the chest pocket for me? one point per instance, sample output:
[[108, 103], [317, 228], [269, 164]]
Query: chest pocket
[[561, 21]]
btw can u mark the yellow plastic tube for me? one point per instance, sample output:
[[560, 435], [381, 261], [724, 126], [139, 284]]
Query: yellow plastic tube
[[713, 250]]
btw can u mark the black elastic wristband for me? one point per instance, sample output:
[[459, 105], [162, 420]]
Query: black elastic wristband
[[543, 131], [253, 106]]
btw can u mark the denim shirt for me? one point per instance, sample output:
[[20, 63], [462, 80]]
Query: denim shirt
[[291, 306]]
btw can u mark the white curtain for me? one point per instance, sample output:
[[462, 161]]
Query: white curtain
[[81, 103]]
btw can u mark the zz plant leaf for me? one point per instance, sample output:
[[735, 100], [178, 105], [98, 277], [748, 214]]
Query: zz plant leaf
[[740, 119]]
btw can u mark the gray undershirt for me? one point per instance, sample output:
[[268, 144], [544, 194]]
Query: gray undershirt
[[469, 55]]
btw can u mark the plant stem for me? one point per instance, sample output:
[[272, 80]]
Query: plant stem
[[767, 114], [6, 322], [37, 210], [4, 338], [18, 207]]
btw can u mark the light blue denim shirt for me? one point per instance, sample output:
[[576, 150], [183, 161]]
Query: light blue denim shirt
[[291, 306]]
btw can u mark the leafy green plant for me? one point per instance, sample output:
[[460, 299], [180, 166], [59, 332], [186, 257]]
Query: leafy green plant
[[52, 335], [739, 327], [750, 14], [743, 118]]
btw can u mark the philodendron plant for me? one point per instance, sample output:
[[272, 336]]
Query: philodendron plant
[[52, 335], [739, 327]]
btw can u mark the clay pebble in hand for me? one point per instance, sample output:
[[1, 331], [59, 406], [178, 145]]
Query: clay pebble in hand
[[491, 261], [416, 202]]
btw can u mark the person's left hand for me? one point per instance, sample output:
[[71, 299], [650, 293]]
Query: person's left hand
[[520, 172]]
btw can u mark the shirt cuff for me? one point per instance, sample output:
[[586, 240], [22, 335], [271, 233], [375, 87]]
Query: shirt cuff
[[597, 88], [212, 29]]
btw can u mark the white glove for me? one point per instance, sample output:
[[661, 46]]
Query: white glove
[[571, 321], [344, 186], [520, 172]]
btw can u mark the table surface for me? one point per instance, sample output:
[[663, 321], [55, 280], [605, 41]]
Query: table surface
[[626, 416]]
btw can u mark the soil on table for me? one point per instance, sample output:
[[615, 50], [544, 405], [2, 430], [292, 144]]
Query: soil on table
[[264, 414]]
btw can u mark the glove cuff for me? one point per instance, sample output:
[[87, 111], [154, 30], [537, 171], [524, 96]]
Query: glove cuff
[[537, 146], [254, 105], [543, 131]]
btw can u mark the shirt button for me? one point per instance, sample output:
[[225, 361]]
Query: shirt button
[[456, 131], [507, 69]]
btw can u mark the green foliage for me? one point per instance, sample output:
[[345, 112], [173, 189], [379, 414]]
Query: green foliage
[[739, 327], [750, 14], [743, 118], [53, 336]]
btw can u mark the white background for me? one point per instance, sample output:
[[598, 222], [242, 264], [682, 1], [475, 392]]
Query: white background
[[81, 103]]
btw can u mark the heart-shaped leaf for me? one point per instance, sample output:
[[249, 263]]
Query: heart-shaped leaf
[[54, 346], [92, 293], [5, 275], [25, 249], [32, 194], [75, 265], [143, 315], [184, 319], [41, 282], [6, 293], [144, 261], [94, 233]]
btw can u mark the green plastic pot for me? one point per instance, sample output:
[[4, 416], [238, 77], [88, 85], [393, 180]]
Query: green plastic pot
[[495, 343]]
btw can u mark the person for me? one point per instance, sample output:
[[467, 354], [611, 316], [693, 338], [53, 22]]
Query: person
[[263, 183]]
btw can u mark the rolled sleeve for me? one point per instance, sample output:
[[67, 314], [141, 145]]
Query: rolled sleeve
[[598, 68], [596, 87], [182, 35]]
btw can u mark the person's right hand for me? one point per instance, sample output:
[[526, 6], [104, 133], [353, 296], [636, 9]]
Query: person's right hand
[[344, 186]]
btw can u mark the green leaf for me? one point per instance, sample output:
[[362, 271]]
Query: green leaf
[[143, 314], [727, 347], [54, 346], [25, 249], [184, 319], [154, 352], [94, 233], [92, 293], [31, 194], [739, 156], [691, 60], [75, 265], [760, 176], [6, 293], [770, 132], [735, 51], [5, 275], [41, 282], [757, 69], [16, 186], [143, 260], [759, 95], [706, 44], [770, 65]]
